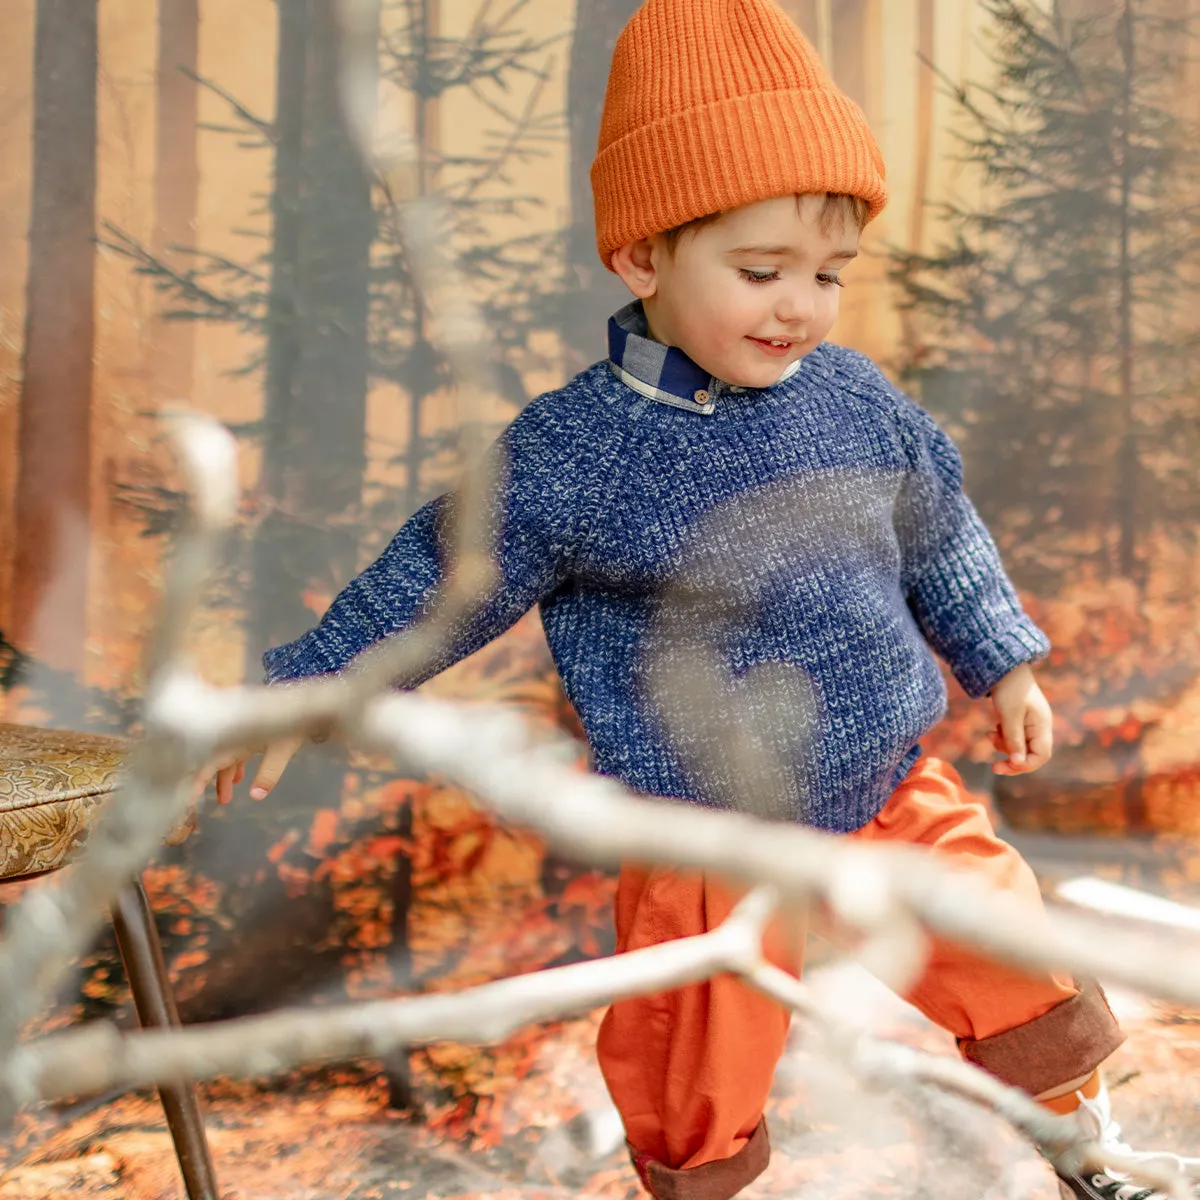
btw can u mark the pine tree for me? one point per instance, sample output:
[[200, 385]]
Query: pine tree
[[313, 434], [596, 293], [511, 271], [176, 175], [1055, 331]]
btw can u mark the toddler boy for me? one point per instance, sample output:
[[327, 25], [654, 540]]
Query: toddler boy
[[817, 518]]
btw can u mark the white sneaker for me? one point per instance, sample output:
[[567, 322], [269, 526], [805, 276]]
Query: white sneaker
[[1096, 1121]]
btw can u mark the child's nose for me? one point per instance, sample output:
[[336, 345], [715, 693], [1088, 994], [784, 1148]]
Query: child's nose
[[796, 306]]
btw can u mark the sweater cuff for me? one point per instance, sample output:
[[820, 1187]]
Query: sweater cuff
[[304, 658], [985, 664]]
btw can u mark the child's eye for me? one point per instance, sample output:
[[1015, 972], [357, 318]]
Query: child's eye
[[758, 276], [830, 279]]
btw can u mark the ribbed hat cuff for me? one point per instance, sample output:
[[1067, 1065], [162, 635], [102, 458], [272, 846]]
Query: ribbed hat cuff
[[735, 152]]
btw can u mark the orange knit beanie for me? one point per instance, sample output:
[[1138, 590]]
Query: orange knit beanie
[[713, 104]]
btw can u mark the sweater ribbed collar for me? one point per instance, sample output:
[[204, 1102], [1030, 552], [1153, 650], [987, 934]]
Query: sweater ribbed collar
[[663, 373]]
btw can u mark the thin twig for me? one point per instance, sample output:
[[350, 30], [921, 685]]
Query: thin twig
[[894, 1065]]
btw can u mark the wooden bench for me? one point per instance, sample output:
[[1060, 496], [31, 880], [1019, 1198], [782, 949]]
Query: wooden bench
[[53, 786]]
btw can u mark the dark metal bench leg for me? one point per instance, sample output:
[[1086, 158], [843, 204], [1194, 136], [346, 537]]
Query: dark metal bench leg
[[141, 952]]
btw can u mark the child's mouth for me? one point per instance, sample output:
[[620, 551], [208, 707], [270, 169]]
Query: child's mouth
[[776, 347]]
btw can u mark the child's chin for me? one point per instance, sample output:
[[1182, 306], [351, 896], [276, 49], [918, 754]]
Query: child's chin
[[743, 374], [769, 376]]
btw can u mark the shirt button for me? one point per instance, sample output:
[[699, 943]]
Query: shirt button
[[701, 397]]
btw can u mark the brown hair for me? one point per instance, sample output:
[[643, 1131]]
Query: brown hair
[[837, 204]]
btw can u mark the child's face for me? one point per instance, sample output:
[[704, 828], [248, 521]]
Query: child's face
[[748, 294]]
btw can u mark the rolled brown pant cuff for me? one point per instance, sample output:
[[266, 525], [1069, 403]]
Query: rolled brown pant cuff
[[1068, 1042], [718, 1180]]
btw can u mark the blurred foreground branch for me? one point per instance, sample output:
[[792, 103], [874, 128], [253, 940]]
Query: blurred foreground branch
[[883, 892], [99, 1057], [894, 898]]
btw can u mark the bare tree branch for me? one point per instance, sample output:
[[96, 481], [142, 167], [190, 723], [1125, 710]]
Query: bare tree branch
[[99, 1056], [95, 1058], [530, 782]]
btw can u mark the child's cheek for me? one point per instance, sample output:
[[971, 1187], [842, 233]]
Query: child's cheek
[[830, 312]]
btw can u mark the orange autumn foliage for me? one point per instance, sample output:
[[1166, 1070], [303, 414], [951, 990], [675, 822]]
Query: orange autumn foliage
[[324, 832]]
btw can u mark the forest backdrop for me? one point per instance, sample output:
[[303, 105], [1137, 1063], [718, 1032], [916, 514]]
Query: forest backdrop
[[184, 219]]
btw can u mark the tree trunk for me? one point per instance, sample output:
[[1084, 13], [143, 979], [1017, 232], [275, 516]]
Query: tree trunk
[[397, 1065], [850, 32], [283, 338], [314, 429], [49, 604], [807, 15], [1128, 460], [823, 22], [427, 135], [177, 179], [314, 421], [327, 435], [924, 139], [269, 556], [596, 293]]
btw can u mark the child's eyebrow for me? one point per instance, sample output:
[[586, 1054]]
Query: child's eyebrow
[[786, 252]]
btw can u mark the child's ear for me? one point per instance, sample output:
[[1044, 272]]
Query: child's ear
[[635, 265]]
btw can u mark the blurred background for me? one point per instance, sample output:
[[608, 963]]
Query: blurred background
[[185, 221]]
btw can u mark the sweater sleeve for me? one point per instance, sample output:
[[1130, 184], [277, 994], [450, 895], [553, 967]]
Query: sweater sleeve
[[534, 509], [951, 571]]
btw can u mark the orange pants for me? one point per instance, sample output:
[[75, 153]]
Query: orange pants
[[690, 1069]]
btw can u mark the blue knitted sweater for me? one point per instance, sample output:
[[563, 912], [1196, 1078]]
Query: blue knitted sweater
[[771, 564]]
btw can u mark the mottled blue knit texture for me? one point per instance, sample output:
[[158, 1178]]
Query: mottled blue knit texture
[[806, 546]]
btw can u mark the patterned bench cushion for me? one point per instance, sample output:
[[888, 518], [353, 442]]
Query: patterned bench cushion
[[52, 787]]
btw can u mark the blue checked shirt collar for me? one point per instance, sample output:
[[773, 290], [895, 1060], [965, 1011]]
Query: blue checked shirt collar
[[663, 373]]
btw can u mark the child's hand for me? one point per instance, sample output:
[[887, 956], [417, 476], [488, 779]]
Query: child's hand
[[1024, 727], [232, 770]]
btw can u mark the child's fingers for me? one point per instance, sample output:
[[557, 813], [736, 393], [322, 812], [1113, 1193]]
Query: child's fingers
[[198, 786], [1041, 739], [1012, 726], [210, 771], [275, 758], [239, 772], [996, 737], [1008, 768], [1038, 750], [225, 782]]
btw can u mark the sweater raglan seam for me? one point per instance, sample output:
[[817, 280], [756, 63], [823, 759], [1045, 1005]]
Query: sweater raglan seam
[[590, 517], [890, 401], [903, 412], [900, 409]]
